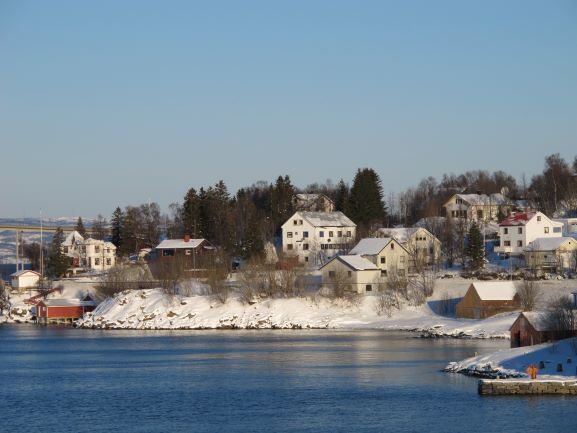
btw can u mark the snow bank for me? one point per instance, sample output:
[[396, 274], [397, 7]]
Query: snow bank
[[513, 362]]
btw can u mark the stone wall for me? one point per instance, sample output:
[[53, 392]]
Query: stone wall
[[521, 387]]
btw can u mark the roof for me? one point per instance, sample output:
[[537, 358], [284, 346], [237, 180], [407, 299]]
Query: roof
[[356, 262], [495, 290], [67, 303], [311, 197], [496, 199], [370, 246], [179, 243], [326, 219], [539, 320], [24, 271], [72, 238], [401, 234], [548, 244], [518, 219]]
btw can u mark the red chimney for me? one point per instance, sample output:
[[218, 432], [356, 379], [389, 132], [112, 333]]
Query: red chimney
[[186, 237]]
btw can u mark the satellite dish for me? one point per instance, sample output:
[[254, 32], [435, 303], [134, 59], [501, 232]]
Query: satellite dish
[[504, 191]]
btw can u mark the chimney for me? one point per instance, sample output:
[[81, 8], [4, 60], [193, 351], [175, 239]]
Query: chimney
[[186, 237]]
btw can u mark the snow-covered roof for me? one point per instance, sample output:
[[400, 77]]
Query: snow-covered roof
[[72, 238], [401, 234], [358, 263], [370, 246], [24, 271], [495, 290], [326, 219], [67, 303], [311, 197], [179, 243], [538, 320], [549, 244], [496, 199]]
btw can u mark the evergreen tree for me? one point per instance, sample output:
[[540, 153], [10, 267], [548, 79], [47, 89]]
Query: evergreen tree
[[117, 223], [366, 205], [80, 227], [57, 262], [475, 250], [282, 200], [191, 210], [342, 196]]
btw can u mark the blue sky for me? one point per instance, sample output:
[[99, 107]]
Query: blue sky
[[117, 102]]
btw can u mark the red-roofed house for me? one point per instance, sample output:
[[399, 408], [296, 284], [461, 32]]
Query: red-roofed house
[[521, 228]]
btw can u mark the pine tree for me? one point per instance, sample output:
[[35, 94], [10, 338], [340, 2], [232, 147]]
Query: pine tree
[[282, 200], [475, 250], [117, 223], [191, 214], [80, 227], [366, 205], [342, 196], [57, 262]]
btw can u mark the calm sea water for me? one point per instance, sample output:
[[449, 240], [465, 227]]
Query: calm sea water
[[70, 380]]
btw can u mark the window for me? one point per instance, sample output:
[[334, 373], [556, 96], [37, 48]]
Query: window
[[383, 273], [479, 213], [289, 247], [369, 288], [289, 234], [321, 234], [305, 247], [305, 234], [505, 231], [520, 230], [83, 248], [348, 234], [332, 274], [545, 229], [168, 253], [331, 234], [96, 249], [295, 222], [383, 260], [306, 259], [349, 273], [392, 246], [401, 272], [65, 250], [507, 243], [96, 261], [108, 262], [340, 233], [187, 252], [519, 243], [538, 217]]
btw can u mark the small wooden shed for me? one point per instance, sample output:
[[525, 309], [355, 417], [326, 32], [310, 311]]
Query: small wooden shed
[[535, 327], [62, 310], [24, 279], [487, 298]]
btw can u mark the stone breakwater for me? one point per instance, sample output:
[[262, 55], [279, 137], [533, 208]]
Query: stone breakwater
[[526, 387]]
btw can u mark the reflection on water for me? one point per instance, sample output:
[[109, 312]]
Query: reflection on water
[[70, 380]]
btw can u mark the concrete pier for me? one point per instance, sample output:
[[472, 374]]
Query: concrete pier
[[527, 386]]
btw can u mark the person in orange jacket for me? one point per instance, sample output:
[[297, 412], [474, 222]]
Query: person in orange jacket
[[532, 371]]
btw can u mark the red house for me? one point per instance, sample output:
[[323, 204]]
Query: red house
[[62, 310], [535, 327]]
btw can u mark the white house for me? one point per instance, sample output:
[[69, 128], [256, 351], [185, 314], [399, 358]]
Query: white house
[[386, 253], [521, 228], [569, 226], [313, 203], [89, 253], [25, 279], [423, 247], [552, 254], [350, 273], [315, 237], [477, 207]]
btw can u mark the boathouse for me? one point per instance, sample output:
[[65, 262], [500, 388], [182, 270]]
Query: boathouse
[[536, 327], [62, 311]]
